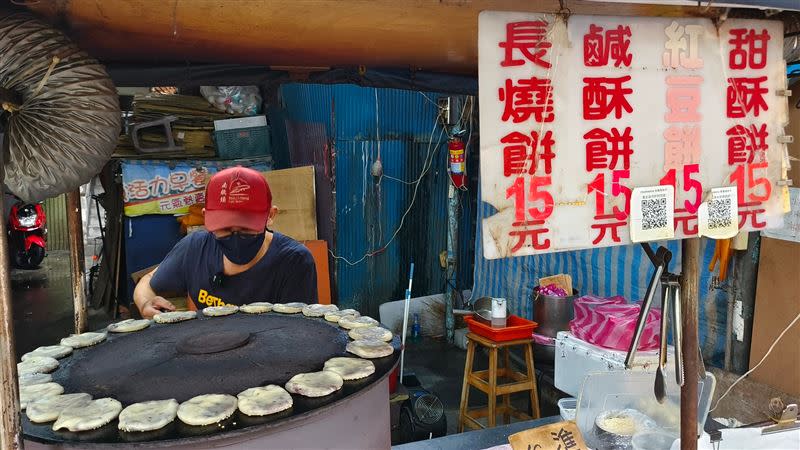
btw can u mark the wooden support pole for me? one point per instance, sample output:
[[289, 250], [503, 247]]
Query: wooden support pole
[[10, 428], [77, 264], [690, 280]]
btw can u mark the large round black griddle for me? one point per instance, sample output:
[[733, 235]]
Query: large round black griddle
[[207, 355]]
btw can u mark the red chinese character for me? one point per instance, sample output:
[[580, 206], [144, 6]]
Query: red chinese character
[[530, 39], [682, 146], [530, 97], [683, 99], [137, 190], [745, 142], [752, 213], [188, 200], [177, 203], [746, 95], [613, 224], [535, 234], [598, 49], [687, 220], [522, 148], [200, 197], [198, 177], [679, 52], [749, 49], [178, 181], [158, 186], [603, 148], [604, 95]]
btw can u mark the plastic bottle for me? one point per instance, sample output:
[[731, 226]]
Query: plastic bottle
[[415, 328]]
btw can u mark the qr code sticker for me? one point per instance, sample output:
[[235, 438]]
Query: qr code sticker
[[654, 213], [719, 213]]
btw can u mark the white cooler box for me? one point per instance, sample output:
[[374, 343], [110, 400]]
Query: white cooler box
[[576, 358]]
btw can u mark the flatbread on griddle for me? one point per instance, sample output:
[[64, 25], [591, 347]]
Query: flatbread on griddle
[[89, 416], [256, 308], [370, 348], [317, 310], [53, 351], [129, 325], [83, 339], [350, 368], [33, 392], [315, 384], [217, 311], [29, 379], [376, 333], [288, 308], [207, 409], [264, 400], [336, 316], [49, 408], [174, 316], [148, 416], [37, 364], [357, 322]]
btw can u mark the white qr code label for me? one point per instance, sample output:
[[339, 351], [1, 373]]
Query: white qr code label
[[718, 216], [652, 213]]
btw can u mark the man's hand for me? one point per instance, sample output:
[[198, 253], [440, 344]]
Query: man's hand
[[155, 306]]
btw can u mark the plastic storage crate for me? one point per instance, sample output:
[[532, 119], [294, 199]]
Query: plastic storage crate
[[243, 137]]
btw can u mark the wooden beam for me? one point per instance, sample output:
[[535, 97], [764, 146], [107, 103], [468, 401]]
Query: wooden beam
[[690, 280], [10, 428], [77, 264], [435, 35]]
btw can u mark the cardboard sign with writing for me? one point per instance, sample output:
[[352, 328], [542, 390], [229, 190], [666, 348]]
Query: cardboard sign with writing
[[558, 436]]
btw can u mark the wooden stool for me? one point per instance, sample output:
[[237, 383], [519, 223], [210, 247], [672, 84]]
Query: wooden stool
[[486, 381]]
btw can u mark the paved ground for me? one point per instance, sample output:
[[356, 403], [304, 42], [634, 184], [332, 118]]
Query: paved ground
[[42, 303]]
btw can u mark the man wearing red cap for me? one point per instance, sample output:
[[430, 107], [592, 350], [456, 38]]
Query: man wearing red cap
[[238, 260]]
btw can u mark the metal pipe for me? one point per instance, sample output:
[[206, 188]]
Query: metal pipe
[[11, 429], [690, 280], [77, 264], [452, 247]]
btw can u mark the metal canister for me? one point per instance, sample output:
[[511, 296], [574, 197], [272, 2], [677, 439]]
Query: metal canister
[[553, 314]]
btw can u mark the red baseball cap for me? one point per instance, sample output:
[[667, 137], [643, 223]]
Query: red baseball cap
[[237, 197]]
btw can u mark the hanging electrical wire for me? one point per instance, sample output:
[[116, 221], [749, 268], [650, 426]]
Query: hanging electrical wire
[[426, 166], [746, 374]]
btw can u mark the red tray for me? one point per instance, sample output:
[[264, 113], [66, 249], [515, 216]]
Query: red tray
[[517, 328]]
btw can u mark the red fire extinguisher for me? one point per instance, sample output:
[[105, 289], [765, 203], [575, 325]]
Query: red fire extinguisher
[[458, 162]]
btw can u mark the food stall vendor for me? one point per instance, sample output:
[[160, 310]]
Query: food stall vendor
[[237, 259]]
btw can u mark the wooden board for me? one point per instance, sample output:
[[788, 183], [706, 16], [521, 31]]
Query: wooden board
[[293, 192], [776, 305]]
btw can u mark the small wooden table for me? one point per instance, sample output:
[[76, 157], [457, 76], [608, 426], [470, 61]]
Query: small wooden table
[[486, 381]]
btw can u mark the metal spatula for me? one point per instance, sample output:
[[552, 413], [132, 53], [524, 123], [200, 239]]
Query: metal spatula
[[660, 388]]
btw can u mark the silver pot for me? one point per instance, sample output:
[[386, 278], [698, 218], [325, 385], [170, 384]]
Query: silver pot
[[553, 314]]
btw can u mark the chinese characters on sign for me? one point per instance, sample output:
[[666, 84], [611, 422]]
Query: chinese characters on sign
[[167, 187], [576, 115]]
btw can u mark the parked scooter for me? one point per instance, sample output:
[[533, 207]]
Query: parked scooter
[[26, 233]]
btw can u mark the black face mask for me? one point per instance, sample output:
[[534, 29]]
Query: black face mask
[[241, 248]]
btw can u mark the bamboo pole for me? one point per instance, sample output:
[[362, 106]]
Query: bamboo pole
[[690, 274], [11, 431], [77, 264]]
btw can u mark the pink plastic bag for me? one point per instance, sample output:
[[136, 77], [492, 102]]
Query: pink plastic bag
[[611, 322]]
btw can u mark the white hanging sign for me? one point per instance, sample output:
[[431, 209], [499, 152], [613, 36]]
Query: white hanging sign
[[576, 115]]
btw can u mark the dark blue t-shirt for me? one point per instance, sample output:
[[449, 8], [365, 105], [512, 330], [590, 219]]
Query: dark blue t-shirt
[[286, 273]]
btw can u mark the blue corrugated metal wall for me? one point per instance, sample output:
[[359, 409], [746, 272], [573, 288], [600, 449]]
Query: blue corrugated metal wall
[[369, 211], [622, 270]]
